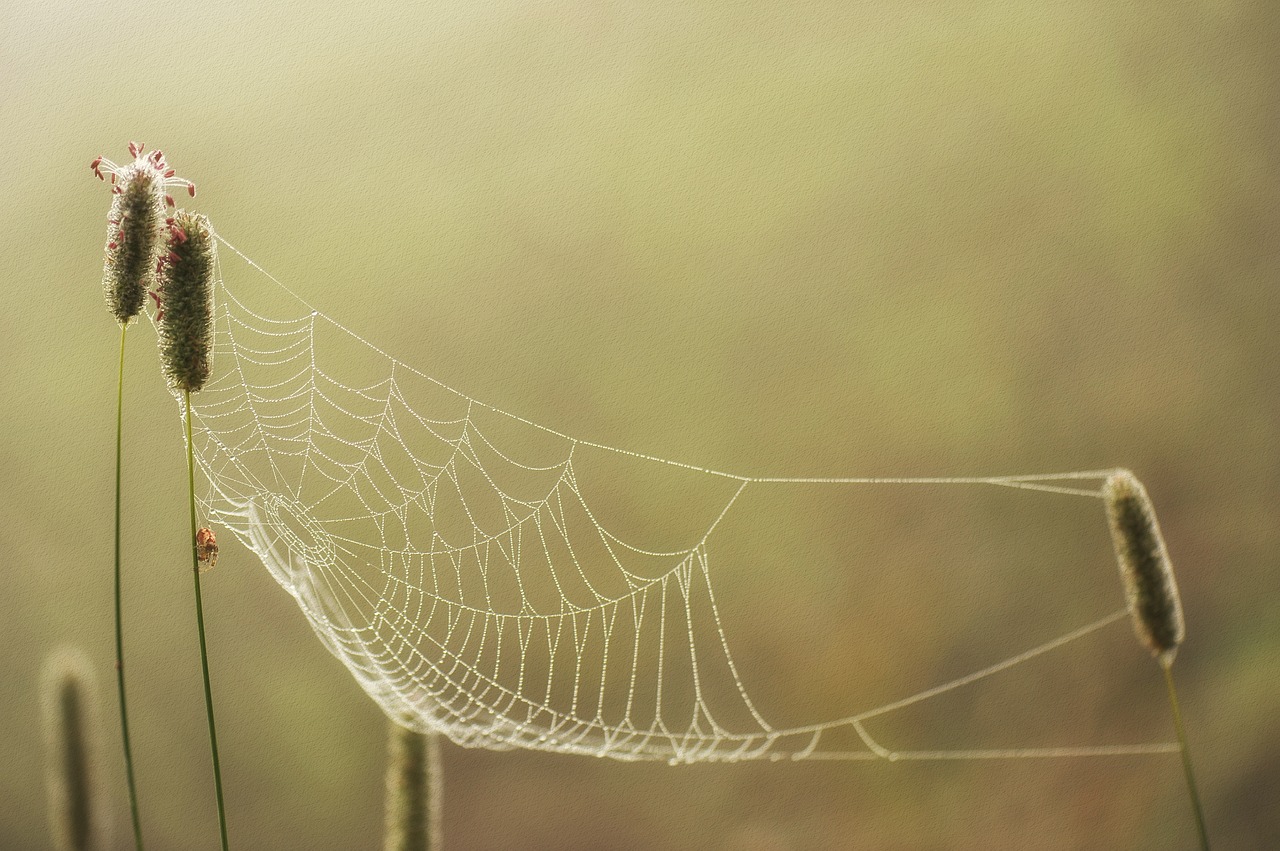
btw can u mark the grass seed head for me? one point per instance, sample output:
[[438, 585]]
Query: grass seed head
[[1149, 585], [185, 300], [133, 238], [135, 226], [413, 793], [68, 696]]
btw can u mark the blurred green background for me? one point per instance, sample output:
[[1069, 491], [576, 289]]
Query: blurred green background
[[823, 238]]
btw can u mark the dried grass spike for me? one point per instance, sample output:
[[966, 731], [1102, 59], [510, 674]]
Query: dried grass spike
[[186, 301], [1148, 579]]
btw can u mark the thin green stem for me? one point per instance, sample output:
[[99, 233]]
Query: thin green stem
[[124, 710], [204, 652], [1167, 667]]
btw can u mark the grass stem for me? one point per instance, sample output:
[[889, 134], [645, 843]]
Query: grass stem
[[1196, 807], [204, 652], [124, 710]]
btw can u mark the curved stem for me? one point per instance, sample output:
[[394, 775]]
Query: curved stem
[[204, 653], [124, 710], [1196, 807]]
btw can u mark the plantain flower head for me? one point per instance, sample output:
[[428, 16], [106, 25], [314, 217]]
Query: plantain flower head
[[185, 300], [135, 226]]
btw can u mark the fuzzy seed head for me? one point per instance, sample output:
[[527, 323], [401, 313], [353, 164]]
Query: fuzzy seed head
[[187, 266], [1145, 570], [68, 695], [135, 229], [133, 237]]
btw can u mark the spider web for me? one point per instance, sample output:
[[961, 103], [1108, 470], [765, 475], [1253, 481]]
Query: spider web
[[449, 555]]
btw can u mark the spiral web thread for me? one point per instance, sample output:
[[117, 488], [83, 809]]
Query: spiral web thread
[[470, 587]]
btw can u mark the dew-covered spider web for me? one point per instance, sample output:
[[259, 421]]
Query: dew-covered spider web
[[450, 556]]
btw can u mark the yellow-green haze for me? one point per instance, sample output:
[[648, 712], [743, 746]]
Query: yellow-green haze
[[818, 238]]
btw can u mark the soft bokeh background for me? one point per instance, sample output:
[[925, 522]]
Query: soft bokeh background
[[819, 238]]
